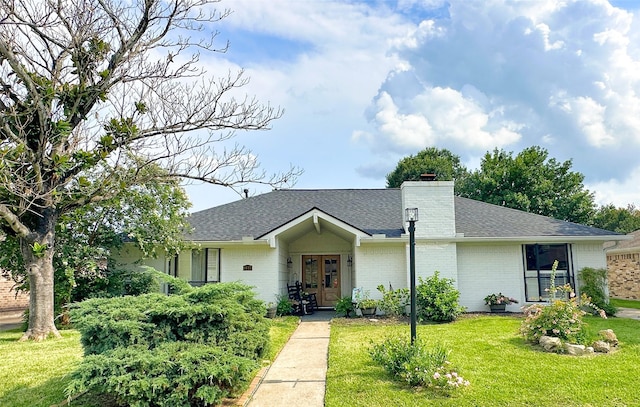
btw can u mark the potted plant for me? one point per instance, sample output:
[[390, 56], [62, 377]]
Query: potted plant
[[368, 306], [498, 302], [271, 310]]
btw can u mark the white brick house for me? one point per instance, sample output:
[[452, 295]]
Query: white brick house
[[337, 239]]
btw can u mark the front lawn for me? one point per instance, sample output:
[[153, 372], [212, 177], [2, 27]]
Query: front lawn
[[34, 374], [625, 303], [502, 368]]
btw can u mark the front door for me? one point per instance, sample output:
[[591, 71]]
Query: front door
[[321, 275]]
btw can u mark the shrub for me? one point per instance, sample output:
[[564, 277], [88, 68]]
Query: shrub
[[393, 302], [593, 285], [416, 364], [284, 305], [561, 318], [437, 299], [223, 314], [173, 373], [223, 321], [344, 306]]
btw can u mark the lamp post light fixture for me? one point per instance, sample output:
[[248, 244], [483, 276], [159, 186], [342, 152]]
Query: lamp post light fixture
[[411, 215]]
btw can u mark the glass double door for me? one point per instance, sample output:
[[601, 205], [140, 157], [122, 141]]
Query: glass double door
[[321, 275]]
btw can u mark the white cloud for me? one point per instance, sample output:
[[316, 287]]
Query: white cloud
[[514, 74], [440, 115], [365, 83], [620, 192]]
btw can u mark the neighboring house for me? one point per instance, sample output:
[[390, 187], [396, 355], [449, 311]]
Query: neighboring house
[[335, 240], [623, 267], [9, 301]]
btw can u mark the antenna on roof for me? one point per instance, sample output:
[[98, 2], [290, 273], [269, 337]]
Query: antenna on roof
[[246, 193]]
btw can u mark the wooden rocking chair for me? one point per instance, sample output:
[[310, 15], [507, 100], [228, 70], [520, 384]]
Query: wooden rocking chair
[[303, 304]]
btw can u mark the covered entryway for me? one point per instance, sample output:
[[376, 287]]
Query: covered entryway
[[321, 275]]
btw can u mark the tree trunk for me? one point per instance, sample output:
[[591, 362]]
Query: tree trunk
[[37, 252]]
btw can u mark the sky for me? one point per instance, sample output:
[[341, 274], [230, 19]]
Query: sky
[[364, 84]]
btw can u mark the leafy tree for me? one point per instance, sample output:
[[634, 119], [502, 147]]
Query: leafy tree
[[532, 182], [92, 92], [152, 216], [441, 162], [621, 220]]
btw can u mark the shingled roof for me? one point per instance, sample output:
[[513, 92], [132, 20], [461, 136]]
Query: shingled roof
[[374, 211]]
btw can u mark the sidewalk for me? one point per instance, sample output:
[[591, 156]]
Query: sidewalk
[[628, 313], [298, 375], [11, 319]]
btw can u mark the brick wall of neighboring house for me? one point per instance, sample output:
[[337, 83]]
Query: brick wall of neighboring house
[[623, 268], [8, 299], [624, 275]]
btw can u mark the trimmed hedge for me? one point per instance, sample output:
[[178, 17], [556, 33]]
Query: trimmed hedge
[[172, 374], [193, 348]]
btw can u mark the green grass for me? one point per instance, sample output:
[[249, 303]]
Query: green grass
[[281, 330], [34, 374], [502, 368], [625, 303]]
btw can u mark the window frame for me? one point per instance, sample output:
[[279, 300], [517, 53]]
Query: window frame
[[538, 278], [204, 268]]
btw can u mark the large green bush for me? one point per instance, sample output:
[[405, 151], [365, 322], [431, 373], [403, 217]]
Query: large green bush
[[437, 299], [594, 282], [172, 374], [201, 334]]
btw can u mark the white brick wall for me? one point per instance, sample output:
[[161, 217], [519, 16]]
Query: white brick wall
[[587, 255], [432, 257], [377, 264], [264, 275], [490, 268], [435, 203]]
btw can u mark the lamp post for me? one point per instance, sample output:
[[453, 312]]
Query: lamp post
[[411, 215]]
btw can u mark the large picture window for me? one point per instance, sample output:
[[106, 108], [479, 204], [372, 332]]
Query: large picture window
[[538, 263], [205, 267]]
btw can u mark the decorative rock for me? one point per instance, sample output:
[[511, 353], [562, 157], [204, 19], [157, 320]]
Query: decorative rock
[[550, 343], [589, 350], [575, 350], [601, 347], [609, 336]]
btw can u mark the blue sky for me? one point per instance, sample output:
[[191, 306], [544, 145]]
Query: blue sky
[[366, 83]]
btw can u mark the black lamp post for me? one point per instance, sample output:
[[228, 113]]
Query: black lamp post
[[411, 215]]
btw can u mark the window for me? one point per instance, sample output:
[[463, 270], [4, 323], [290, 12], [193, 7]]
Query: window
[[172, 266], [538, 262], [205, 267]]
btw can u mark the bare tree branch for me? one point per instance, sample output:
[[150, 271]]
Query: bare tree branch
[[94, 92]]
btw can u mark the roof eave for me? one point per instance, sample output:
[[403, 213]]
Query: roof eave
[[534, 239]]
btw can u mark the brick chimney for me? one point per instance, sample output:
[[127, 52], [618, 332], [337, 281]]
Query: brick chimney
[[435, 203]]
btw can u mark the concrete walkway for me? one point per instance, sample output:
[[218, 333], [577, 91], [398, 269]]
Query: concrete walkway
[[298, 375], [628, 313]]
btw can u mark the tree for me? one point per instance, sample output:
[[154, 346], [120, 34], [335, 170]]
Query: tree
[[532, 182], [92, 92], [151, 216], [621, 220], [441, 162]]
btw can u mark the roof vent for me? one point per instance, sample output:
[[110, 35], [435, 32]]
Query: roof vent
[[428, 177]]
